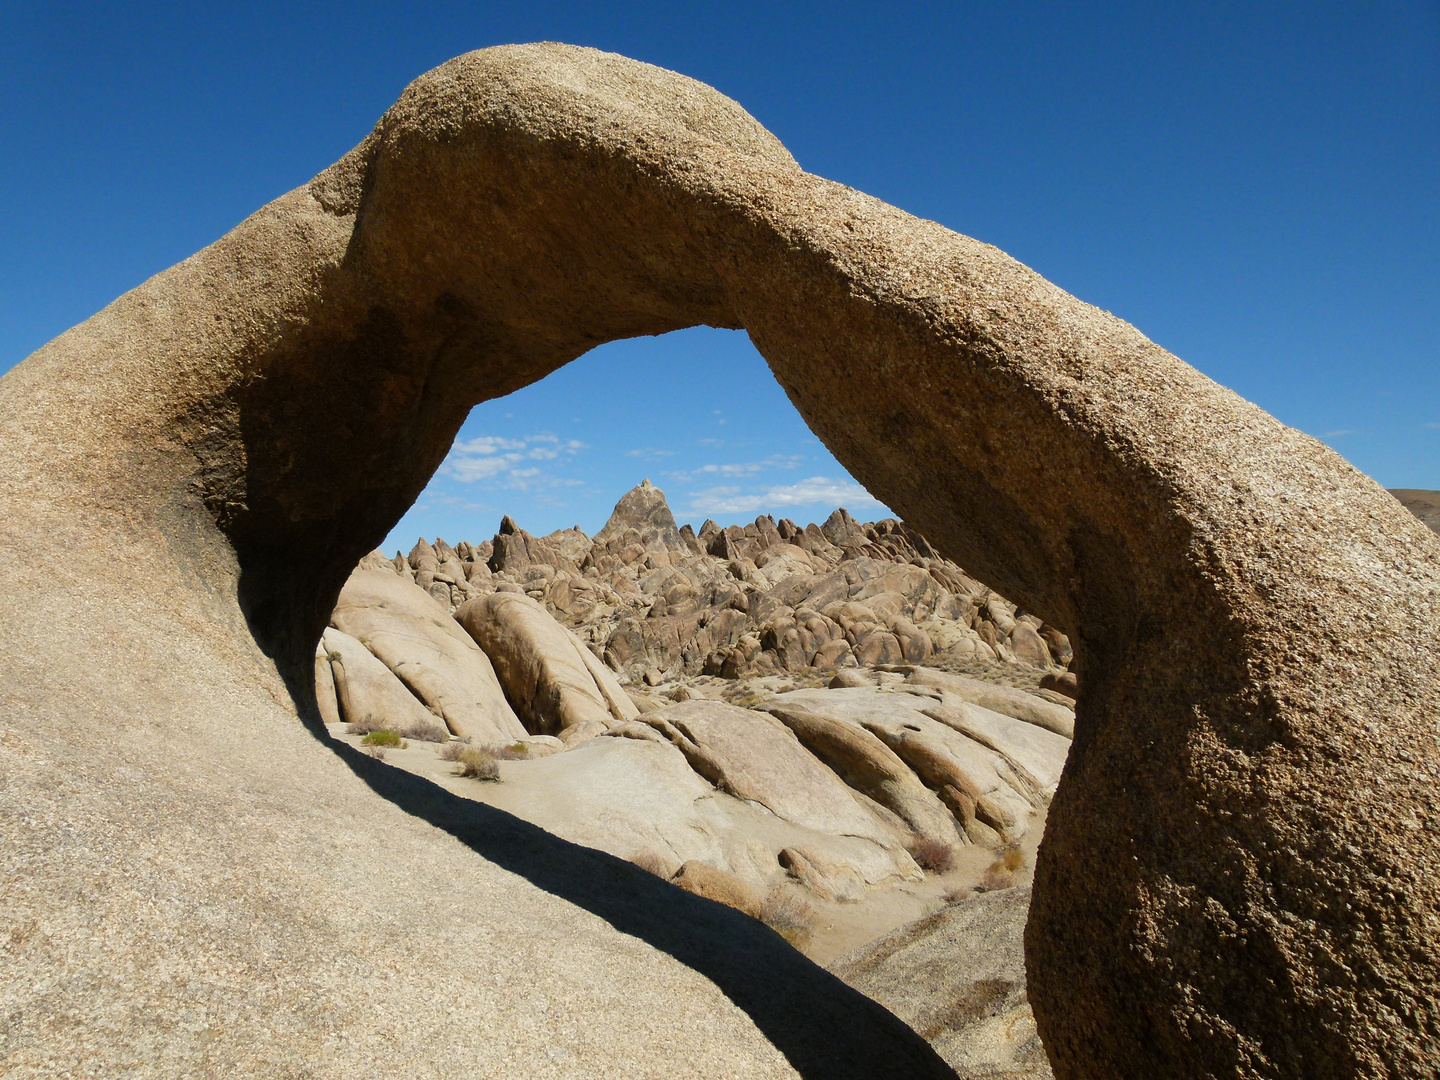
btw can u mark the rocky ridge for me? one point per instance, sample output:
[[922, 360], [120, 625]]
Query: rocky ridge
[[660, 602]]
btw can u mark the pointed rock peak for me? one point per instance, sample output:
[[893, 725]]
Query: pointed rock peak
[[645, 510], [508, 526]]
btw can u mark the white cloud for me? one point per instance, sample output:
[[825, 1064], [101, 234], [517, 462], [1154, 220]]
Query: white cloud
[[816, 490], [492, 460], [650, 453], [735, 469], [1338, 434]]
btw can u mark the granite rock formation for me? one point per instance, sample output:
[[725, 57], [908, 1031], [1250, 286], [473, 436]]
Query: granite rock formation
[[648, 597], [1240, 872], [758, 780]]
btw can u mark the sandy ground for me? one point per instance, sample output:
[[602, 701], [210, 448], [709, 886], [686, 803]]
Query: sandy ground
[[839, 928]]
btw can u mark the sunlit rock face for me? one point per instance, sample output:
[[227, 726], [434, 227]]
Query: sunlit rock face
[[1240, 872]]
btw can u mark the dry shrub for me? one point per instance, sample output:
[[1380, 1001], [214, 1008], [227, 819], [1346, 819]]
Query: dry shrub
[[376, 752], [424, 731], [955, 896], [516, 751], [1001, 873], [472, 761], [932, 855], [789, 914], [652, 864]]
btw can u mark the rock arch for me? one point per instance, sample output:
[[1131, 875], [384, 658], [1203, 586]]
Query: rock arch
[[1258, 624]]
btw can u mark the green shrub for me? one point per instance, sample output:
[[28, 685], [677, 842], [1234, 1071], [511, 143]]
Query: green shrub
[[384, 737], [425, 731]]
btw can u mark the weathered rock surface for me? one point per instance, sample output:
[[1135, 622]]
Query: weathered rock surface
[[366, 690], [986, 766], [633, 796], [744, 601], [553, 681], [430, 654], [958, 978], [754, 757], [1241, 871], [872, 768]]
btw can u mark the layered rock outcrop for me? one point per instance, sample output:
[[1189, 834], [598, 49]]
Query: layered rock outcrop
[[798, 786], [777, 599], [1240, 872]]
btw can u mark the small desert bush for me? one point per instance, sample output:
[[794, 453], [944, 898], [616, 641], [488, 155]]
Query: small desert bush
[[472, 761], [789, 914], [1001, 873], [516, 751], [384, 737], [652, 864], [932, 855], [425, 731]]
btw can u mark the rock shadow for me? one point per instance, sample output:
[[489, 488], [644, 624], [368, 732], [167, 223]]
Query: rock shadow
[[825, 1029]]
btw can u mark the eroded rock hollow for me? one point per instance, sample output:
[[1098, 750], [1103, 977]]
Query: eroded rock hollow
[[1240, 872]]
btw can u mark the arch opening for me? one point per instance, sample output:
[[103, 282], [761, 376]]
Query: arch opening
[[293, 387]]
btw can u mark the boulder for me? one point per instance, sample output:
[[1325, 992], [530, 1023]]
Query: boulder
[[872, 768], [553, 681], [755, 757], [1003, 797], [644, 510], [325, 695], [368, 693], [429, 652], [1001, 699], [1035, 753]]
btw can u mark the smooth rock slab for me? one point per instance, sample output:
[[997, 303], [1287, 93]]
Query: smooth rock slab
[[419, 641]]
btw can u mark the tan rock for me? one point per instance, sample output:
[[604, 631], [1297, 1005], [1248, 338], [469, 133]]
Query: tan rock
[[429, 652], [870, 767], [1254, 618], [368, 692], [325, 697], [753, 756], [1001, 699], [553, 680], [958, 978]]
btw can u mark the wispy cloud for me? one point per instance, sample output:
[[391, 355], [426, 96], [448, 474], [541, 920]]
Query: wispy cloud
[[737, 469], [818, 490], [1433, 425], [650, 453], [496, 462], [1338, 434]]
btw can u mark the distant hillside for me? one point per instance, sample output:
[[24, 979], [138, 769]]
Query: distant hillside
[[1425, 505]]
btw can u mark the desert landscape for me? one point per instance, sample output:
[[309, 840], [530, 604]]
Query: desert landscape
[[829, 728], [1113, 754]]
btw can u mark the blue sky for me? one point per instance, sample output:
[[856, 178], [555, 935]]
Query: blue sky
[[1256, 187]]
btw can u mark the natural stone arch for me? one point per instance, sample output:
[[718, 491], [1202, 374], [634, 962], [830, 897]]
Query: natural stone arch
[[1240, 873]]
